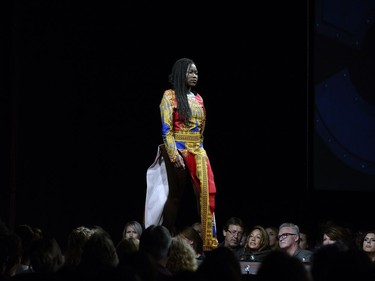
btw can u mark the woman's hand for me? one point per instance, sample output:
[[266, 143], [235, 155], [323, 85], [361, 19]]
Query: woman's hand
[[179, 162]]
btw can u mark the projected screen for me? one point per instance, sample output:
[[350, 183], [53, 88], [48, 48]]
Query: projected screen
[[343, 60]]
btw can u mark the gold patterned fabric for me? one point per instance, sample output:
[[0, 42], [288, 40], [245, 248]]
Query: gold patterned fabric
[[187, 140]]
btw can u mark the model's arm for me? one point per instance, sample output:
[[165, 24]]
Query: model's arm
[[203, 120], [166, 112]]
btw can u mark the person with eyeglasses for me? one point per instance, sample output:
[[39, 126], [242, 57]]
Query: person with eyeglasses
[[288, 238], [233, 231]]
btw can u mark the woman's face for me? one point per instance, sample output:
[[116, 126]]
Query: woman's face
[[192, 76], [272, 236], [130, 232], [303, 241], [369, 243], [254, 240], [327, 240]]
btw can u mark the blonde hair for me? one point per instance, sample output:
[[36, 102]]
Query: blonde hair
[[182, 256]]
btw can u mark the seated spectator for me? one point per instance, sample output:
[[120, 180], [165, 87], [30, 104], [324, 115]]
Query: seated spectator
[[338, 262], [156, 241], [288, 237], [46, 260], [99, 256], [281, 266], [28, 236], [141, 263], [76, 241], [46, 255], [220, 264], [132, 229], [10, 254], [368, 244], [305, 241], [232, 231], [272, 236], [126, 247], [182, 256], [333, 232], [257, 245], [198, 227], [194, 240]]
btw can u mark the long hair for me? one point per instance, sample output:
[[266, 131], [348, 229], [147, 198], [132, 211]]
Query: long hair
[[191, 234], [177, 79], [264, 240]]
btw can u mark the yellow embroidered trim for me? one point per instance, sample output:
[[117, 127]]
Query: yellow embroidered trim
[[187, 137]]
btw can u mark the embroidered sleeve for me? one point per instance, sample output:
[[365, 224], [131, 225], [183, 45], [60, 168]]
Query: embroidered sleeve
[[167, 109]]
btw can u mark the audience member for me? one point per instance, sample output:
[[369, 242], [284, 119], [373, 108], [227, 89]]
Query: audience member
[[338, 262], [157, 256], [46, 259], [4, 229], [75, 243], [10, 254], [288, 237], [305, 241], [132, 229], [198, 227], [257, 245], [272, 231], [142, 263], [220, 264], [38, 233], [194, 240], [28, 236], [233, 230], [182, 256], [99, 256], [156, 240], [126, 247], [46, 255], [368, 244], [281, 266], [244, 237], [333, 232]]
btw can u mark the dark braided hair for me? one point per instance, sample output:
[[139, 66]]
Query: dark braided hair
[[177, 78]]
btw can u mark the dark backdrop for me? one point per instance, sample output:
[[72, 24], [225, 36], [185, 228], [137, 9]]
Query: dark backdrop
[[81, 91]]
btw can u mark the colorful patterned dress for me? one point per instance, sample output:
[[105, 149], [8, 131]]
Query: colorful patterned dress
[[188, 140]]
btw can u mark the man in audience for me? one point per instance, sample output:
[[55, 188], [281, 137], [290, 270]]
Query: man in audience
[[288, 237], [233, 230]]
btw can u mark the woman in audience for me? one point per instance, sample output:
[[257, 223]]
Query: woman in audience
[[182, 256], [194, 240], [368, 244], [257, 245], [333, 232], [272, 236], [305, 239], [336, 261], [76, 240], [132, 229], [126, 247], [99, 256]]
